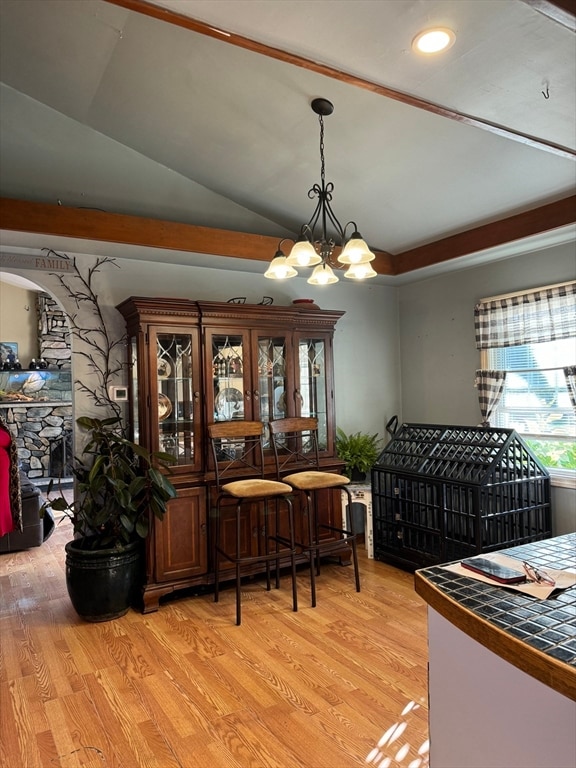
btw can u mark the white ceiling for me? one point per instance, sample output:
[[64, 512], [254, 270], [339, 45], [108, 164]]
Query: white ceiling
[[103, 107]]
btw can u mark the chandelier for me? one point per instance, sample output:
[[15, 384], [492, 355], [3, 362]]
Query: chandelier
[[314, 246]]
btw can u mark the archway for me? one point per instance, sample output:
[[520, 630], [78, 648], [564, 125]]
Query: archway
[[37, 399]]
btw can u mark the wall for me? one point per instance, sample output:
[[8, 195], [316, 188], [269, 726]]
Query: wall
[[18, 320], [438, 356], [366, 343]]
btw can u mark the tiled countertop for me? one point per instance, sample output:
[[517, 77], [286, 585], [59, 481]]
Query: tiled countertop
[[538, 636]]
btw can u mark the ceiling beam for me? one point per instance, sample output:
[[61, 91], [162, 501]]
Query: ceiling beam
[[561, 11], [88, 224], [195, 25], [534, 222]]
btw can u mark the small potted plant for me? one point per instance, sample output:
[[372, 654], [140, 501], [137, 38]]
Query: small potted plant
[[359, 451], [119, 485]]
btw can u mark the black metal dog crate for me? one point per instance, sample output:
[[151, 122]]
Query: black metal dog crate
[[440, 493]]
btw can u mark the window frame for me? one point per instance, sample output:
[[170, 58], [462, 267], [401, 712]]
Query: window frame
[[559, 476]]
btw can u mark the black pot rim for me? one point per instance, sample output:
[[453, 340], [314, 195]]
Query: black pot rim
[[76, 547]]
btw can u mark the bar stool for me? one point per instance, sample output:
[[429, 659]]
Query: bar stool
[[238, 454], [295, 444]]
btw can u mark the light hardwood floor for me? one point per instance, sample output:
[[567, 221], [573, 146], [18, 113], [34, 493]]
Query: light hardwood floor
[[186, 688]]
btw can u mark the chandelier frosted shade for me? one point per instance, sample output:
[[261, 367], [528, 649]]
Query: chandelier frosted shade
[[279, 268], [303, 254], [322, 275], [360, 271], [356, 251]]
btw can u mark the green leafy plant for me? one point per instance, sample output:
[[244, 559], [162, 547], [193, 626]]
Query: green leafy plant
[[358, 450], [119, 485], [557, 454]]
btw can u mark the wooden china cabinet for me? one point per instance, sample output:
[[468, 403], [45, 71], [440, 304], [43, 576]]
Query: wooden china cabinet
[[195, 362]]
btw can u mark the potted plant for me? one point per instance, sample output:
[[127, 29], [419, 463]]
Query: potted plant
[[119, 485], [359, 451]]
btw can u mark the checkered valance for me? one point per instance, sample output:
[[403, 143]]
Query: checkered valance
[[527, 318]]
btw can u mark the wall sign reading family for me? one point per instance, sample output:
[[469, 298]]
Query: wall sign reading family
[[46, 263]]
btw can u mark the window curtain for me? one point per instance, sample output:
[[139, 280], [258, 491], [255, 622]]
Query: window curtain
[[490, 385], [528, 318], [570, 373]]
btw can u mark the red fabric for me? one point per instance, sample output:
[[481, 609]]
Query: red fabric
[[6, 519]]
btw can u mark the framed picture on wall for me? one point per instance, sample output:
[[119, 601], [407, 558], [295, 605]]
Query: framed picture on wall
[[8, 350]]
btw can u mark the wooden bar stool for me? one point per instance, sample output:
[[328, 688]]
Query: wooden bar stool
[[238, 454], [295, 444]]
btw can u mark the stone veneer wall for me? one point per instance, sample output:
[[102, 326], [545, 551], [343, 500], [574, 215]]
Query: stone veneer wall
[[53, 333], [36, 430]]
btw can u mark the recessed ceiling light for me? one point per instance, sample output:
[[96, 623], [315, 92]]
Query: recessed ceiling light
[[434, 40]]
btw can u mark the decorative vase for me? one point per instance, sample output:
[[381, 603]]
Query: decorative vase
[[103, 583]]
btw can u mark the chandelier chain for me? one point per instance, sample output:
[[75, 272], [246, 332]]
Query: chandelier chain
[[322, 163]]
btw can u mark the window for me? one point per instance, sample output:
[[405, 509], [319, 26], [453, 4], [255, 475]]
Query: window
[[535, 400], [531, 336]]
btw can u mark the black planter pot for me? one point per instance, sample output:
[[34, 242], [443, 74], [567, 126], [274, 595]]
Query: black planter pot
[[357, 477], [103, 583]]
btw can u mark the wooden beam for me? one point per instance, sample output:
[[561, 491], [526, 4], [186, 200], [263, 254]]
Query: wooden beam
[[533, 222], [195, 25], [88, 224], [561, 11]]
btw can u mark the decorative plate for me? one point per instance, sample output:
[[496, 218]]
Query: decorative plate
[[164, 368], [229, 395], [164, 407]]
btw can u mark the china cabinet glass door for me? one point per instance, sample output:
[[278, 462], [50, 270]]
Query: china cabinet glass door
[[312, 388], [230, 377], [272, 392], [178, 393]]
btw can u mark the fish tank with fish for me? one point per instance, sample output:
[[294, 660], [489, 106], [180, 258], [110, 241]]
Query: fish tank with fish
[[40, 386]]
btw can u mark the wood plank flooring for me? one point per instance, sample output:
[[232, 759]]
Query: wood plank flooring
[[186, 688]]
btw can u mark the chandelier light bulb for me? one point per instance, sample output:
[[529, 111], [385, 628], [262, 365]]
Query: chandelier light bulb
[[322, 275]]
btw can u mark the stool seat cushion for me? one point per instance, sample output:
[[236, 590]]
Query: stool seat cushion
[[309, 481], [255, 488]]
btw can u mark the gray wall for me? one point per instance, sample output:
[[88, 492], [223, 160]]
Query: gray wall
[[438, 356]]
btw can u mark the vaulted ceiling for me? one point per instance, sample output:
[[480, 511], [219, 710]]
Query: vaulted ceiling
[[145, 123]]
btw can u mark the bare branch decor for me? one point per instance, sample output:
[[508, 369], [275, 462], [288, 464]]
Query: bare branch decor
[[97, 346]]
